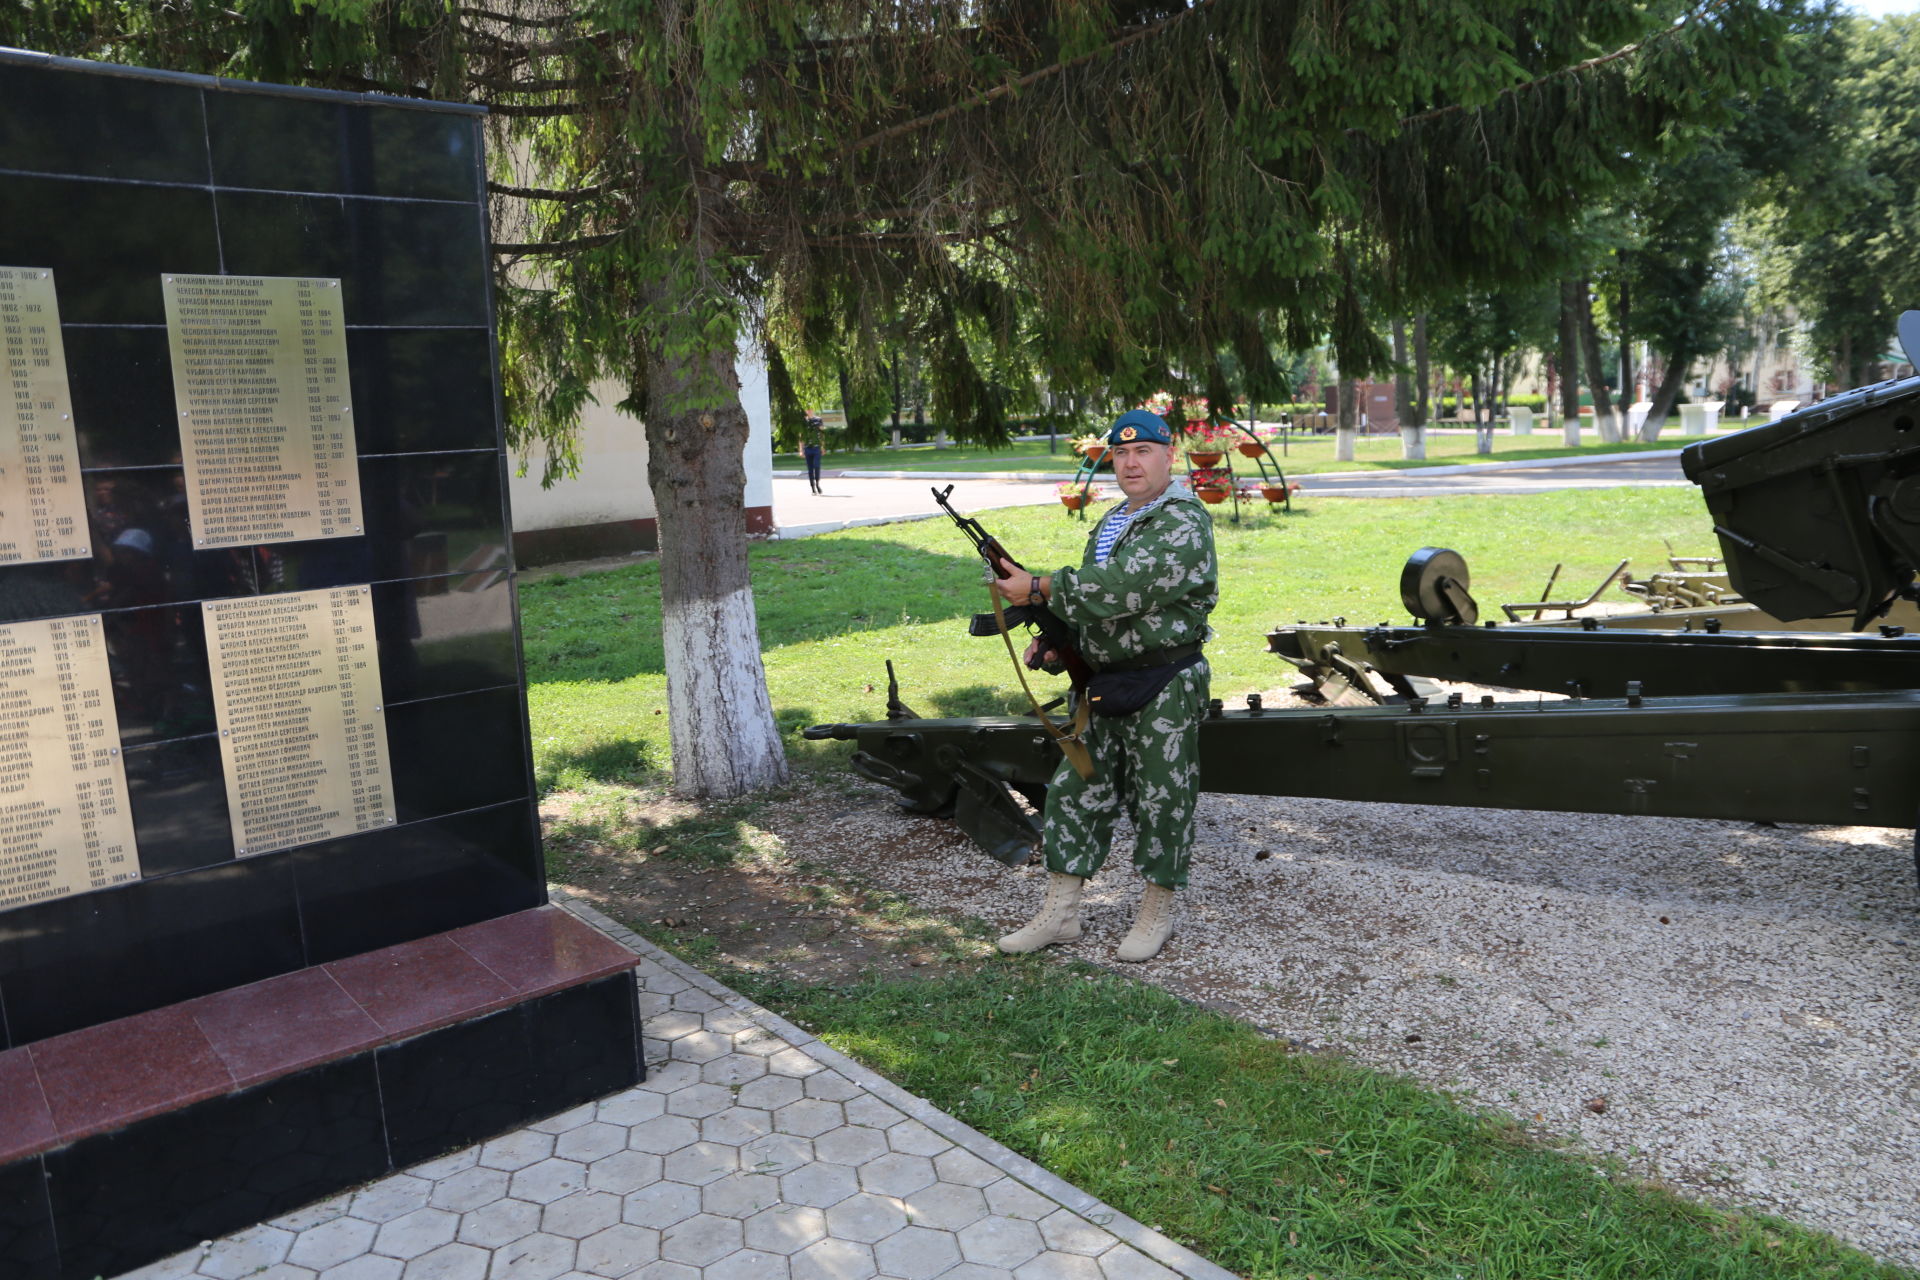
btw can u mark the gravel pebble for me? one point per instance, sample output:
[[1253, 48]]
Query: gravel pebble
[[1739, 998]]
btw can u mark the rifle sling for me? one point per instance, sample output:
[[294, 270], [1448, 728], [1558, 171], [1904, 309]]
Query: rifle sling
[[1072, 746]]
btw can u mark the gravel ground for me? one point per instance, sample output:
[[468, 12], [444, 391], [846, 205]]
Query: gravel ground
[[1727, 1007]]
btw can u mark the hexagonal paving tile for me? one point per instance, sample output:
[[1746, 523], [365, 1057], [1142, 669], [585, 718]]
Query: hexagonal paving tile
[[700, 1239], [758, 1042], [834, 1260], [740, 1195], [1011, 1198], [809, 1117], [869, 1110], [588, 1142], [965, 1168], [450, 1262], [391, 1198], [748, 1264], [517, 1150], [867, 1217], [1125, 1263], [535, 1257], [278, 1271], [664, 1075], [674, 1025], [367, 1266], [446, 1166], [581, 1214], [631, 1107], [1067, 1232], [915, 1139], [776, 1153], [771, 1092], [247, 1252], [734, 1069], [737, 1126], [502, 1222], [947, 1205], [548, 1181], [699, 1100], [664, 1270], [623, 1171], [702, 1162], [300, 1219], [793, 1062], [897, 1175], [1054, 1265], [819, 1184], [977, 1271], [1000, 1242], [469, 1189], [697, 1001], [701, 1046], [331, 1243], [785, 1228], [728, 1022], [617, 1250], [917, 1253], [661, 1205], [831, 1085], [851, 1144], [668, 1133], [421, 1231]]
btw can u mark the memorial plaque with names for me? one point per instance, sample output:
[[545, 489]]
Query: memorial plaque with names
[[266, 425], [43, 513], [303, 738], [64, 822]]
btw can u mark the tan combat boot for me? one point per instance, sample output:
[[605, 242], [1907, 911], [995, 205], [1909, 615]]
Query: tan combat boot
[[1058, 921], [1151, 927]]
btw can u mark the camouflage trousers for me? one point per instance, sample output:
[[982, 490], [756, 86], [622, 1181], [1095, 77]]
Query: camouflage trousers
[[1147, 763]]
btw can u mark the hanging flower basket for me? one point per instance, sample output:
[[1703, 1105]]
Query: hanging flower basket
[[1073, 501], [1204, 458], [1094, 452], [1214, 493], [1251, 448], [1273, 492]]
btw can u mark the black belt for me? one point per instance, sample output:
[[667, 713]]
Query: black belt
[[1158, 658]]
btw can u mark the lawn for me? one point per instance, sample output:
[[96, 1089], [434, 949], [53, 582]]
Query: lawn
[[833, 608], [1304, 454], [1277, 1164]]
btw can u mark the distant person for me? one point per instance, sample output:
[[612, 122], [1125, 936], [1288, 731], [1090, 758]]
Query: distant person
[[815, 444]]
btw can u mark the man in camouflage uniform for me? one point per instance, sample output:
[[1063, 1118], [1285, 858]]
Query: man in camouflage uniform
[[1139, 601]]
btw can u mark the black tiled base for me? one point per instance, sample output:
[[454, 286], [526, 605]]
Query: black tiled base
[[123, 1199]]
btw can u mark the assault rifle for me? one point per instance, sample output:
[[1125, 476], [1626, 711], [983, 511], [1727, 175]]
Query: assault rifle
[[1059, 635]]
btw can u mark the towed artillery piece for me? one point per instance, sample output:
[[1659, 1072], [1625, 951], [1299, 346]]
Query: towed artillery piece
[[1816, 514]]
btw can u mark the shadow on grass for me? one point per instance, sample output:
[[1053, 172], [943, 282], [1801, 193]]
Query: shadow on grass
[[626, 760], [606, 626]]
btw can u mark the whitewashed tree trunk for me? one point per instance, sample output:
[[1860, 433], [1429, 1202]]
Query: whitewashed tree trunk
[[1343, 438], [1570, 431], [1413, 443], [719, 714]]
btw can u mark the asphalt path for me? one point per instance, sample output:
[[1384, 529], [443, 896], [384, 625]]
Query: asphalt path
[[854, 498]]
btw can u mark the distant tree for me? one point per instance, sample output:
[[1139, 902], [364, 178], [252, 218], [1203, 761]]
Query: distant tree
[[1121, 189]]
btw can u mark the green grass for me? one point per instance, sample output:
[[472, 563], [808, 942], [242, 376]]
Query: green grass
[[1305, 454], [1276, 1163], [832, 608]]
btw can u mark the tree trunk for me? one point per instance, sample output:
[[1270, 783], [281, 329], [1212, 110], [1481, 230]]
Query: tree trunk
[[1422, 409], [1663, 397], [1346, 418], [1413, 437], [1603, 419], [719, 714], [1569, 363], [1845, 369], [1626, 340]]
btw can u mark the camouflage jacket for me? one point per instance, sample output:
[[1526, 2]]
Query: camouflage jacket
[[1155, 591]]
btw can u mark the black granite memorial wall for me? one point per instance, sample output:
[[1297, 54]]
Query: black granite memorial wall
[[113, 182]]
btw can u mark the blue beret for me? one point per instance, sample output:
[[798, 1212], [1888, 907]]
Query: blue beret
[[1136, 425]]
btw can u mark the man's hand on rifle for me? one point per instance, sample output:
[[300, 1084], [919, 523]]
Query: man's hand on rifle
[[1041, 657], [1017, 586]]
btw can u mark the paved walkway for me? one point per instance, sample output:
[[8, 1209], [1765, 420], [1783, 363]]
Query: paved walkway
[[751, 1152], [862, 498]]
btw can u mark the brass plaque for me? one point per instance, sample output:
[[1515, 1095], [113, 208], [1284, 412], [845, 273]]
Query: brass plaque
[[43, 513], [64, 822], [303, 738], [266, 420]]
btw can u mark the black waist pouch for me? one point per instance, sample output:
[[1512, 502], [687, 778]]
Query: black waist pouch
[[1121, 693]]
